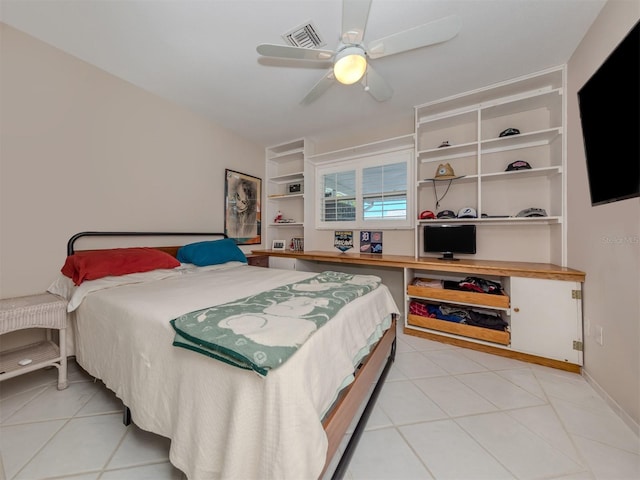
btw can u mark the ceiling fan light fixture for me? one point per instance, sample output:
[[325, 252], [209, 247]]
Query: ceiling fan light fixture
[[350, 65]]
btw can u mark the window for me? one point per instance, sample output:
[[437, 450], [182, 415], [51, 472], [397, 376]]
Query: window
[[339, 196], [367, 192], [384, 192]]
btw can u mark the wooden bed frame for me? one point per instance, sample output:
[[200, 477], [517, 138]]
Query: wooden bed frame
[[373, 370]]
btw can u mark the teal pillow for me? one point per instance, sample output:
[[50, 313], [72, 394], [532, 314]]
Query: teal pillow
[[211, 252]]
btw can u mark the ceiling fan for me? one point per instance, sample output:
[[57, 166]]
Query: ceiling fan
[[351, 57]]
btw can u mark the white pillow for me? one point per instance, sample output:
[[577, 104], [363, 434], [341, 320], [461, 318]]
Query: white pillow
[[64, 286], [76, 294]]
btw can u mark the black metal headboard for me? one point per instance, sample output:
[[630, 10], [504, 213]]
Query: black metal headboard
[[72, 240]]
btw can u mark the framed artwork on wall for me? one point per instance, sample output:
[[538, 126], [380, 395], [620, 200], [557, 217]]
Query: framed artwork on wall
[[242, 220]]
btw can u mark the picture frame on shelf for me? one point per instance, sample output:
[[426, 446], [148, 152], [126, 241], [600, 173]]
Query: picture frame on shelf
[[294, 188], [278, 245], [242, 218], [370, 242], [343, 240]]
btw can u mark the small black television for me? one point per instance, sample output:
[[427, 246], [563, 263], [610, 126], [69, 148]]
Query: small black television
[[609, 105], [449, 239]]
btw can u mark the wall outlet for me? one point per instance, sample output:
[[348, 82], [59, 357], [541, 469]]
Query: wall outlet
[[599, 337]]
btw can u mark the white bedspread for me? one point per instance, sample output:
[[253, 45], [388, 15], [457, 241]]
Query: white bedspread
[[224, 422]]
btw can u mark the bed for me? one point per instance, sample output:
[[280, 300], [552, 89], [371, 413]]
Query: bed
[[225, 421]]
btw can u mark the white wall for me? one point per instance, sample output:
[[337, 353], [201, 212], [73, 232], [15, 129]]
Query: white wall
[[84, 150], [604, 241]]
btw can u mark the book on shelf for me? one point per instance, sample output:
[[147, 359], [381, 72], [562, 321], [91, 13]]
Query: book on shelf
[[297, 244]]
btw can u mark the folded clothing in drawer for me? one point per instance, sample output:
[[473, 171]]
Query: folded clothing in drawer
[[458, 314], [427, 282], [475, 284]]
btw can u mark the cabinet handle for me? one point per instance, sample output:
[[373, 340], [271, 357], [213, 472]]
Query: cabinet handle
[[516, 309]]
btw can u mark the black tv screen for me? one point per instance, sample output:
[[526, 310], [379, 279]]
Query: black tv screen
[[449, 239], [609, 105]]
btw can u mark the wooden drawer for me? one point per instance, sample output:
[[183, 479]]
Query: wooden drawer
[[460, 296], [258, 260], [470, 331]]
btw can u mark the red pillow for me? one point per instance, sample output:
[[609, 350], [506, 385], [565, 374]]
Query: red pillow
[[93, 264]]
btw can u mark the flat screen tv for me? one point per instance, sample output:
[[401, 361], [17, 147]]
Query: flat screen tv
[[609, 105], [448, 240]]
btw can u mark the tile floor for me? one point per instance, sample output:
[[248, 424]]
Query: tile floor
[[444, 413]]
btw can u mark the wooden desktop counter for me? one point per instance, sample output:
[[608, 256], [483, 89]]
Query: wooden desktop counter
[[470, 267]]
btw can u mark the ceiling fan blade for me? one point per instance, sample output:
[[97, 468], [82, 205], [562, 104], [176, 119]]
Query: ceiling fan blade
[[422, 36], [354, 20], [300, 53], [319, 88], [376, 85]]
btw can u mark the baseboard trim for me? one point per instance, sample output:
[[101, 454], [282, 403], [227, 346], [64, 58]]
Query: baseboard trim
[[631, 423]]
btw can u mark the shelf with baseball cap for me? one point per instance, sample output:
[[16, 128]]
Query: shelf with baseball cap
[[526, 215], [499, 151], [520, 140], [502, 143], [521, 169], [445, 173]]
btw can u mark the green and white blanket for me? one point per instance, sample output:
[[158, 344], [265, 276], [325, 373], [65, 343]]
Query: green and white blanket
[[262, 331]]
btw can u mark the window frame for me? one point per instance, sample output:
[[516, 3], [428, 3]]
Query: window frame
[[358, 165]]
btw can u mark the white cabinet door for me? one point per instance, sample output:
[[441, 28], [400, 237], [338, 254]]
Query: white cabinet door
[[546, 319]]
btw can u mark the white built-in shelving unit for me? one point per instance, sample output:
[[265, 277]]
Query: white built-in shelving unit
[[285, 165], [472, 123]]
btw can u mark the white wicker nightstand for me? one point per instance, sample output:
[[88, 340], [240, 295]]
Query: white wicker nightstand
[[35, 311]]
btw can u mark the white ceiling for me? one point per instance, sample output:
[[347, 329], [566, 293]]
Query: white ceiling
[[202, 53]]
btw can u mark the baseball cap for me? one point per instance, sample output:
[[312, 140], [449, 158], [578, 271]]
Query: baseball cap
[[445, 172], [467, 212], [518, 165], [446, 214], [532, 212], [427, 214], [509, 131]]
